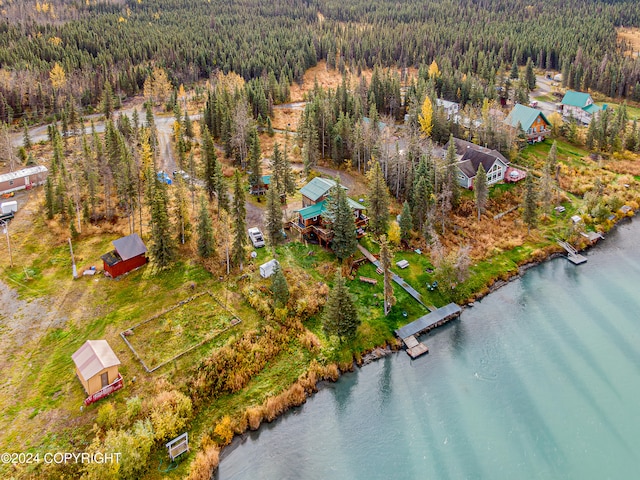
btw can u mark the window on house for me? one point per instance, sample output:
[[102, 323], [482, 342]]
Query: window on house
[[105, 379]]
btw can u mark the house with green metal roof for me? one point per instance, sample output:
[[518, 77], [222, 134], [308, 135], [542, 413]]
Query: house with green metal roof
[[313, 220], [579, 105], [532, 121], [262, 187], [317, 190]]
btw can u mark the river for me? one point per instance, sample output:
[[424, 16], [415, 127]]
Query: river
[[540, 380]]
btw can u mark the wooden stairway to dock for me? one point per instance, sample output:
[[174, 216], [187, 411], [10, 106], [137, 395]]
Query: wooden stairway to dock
[[572, 254]]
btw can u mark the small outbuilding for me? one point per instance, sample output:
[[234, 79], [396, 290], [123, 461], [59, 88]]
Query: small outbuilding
[[97, 369], [9, 207], [268, 269], [129, 253]]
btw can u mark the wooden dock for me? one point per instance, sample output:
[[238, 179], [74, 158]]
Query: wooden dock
[[431, 320], [415, 348], [572, 254]]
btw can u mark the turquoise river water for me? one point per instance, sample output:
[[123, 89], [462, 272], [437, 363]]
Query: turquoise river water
[[540, 380]]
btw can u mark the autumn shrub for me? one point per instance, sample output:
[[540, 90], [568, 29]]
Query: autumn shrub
[[254, 417], [169, 412], [134, 408], [310, 341], [134, 446], [230, 368], [224, 430], [107, 416], [205, 463]]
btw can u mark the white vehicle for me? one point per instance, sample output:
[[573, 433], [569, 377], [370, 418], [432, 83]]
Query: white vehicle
[[255, 235]]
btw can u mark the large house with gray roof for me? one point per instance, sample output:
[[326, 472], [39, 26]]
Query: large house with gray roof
[[471, 156], [579, 105]]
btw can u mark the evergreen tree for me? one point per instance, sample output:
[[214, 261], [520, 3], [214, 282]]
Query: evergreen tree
[[277, 170], [221, 192], [288, 180], [273, 220], [255, 164], [188, 126], [26, 138], [345, 241], [206, 243], [514, 70], [210, 160], [279, 288], [49, 200], [378, 200], [340, 316], [530, 75], [162, 247], [530, 215], [406, 222], [240, 222], [385, 266], [106, 103], [183, 222], [480, 190]]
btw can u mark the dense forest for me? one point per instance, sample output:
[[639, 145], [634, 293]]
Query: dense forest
[[120, 41]]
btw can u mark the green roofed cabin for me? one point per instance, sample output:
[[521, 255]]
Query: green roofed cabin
[[580, 106], [317, 190], [262, 187], [313, 221], [535, 125]]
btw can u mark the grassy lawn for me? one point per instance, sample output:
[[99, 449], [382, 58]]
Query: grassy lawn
[[532, 155], [632, 112], [180, 328], [545, 98]]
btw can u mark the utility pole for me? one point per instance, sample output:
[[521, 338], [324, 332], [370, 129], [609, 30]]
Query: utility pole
[[73, 261], [5, 225]]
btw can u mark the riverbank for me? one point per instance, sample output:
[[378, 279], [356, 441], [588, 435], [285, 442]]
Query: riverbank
[[479, 407], [383, 351]]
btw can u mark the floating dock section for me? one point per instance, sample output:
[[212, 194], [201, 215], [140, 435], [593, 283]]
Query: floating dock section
[[422, 325]]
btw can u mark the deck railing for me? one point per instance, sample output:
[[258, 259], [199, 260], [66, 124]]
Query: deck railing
[[108, 390]]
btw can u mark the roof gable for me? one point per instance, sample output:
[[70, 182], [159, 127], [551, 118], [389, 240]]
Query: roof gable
[[462, 147], [94, 356], [312, 210], [471, 160], [592, 109], [320, 208], [318, 187], [525, 116], [576, 99], [129, 246]]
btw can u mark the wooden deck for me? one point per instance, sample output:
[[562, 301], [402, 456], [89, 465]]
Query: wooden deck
[[415, 348], [418, 350]]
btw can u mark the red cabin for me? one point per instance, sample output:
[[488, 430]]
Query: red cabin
[[129, 253]]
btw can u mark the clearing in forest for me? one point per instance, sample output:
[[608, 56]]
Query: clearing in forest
[[631, 36], [178, 330]]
